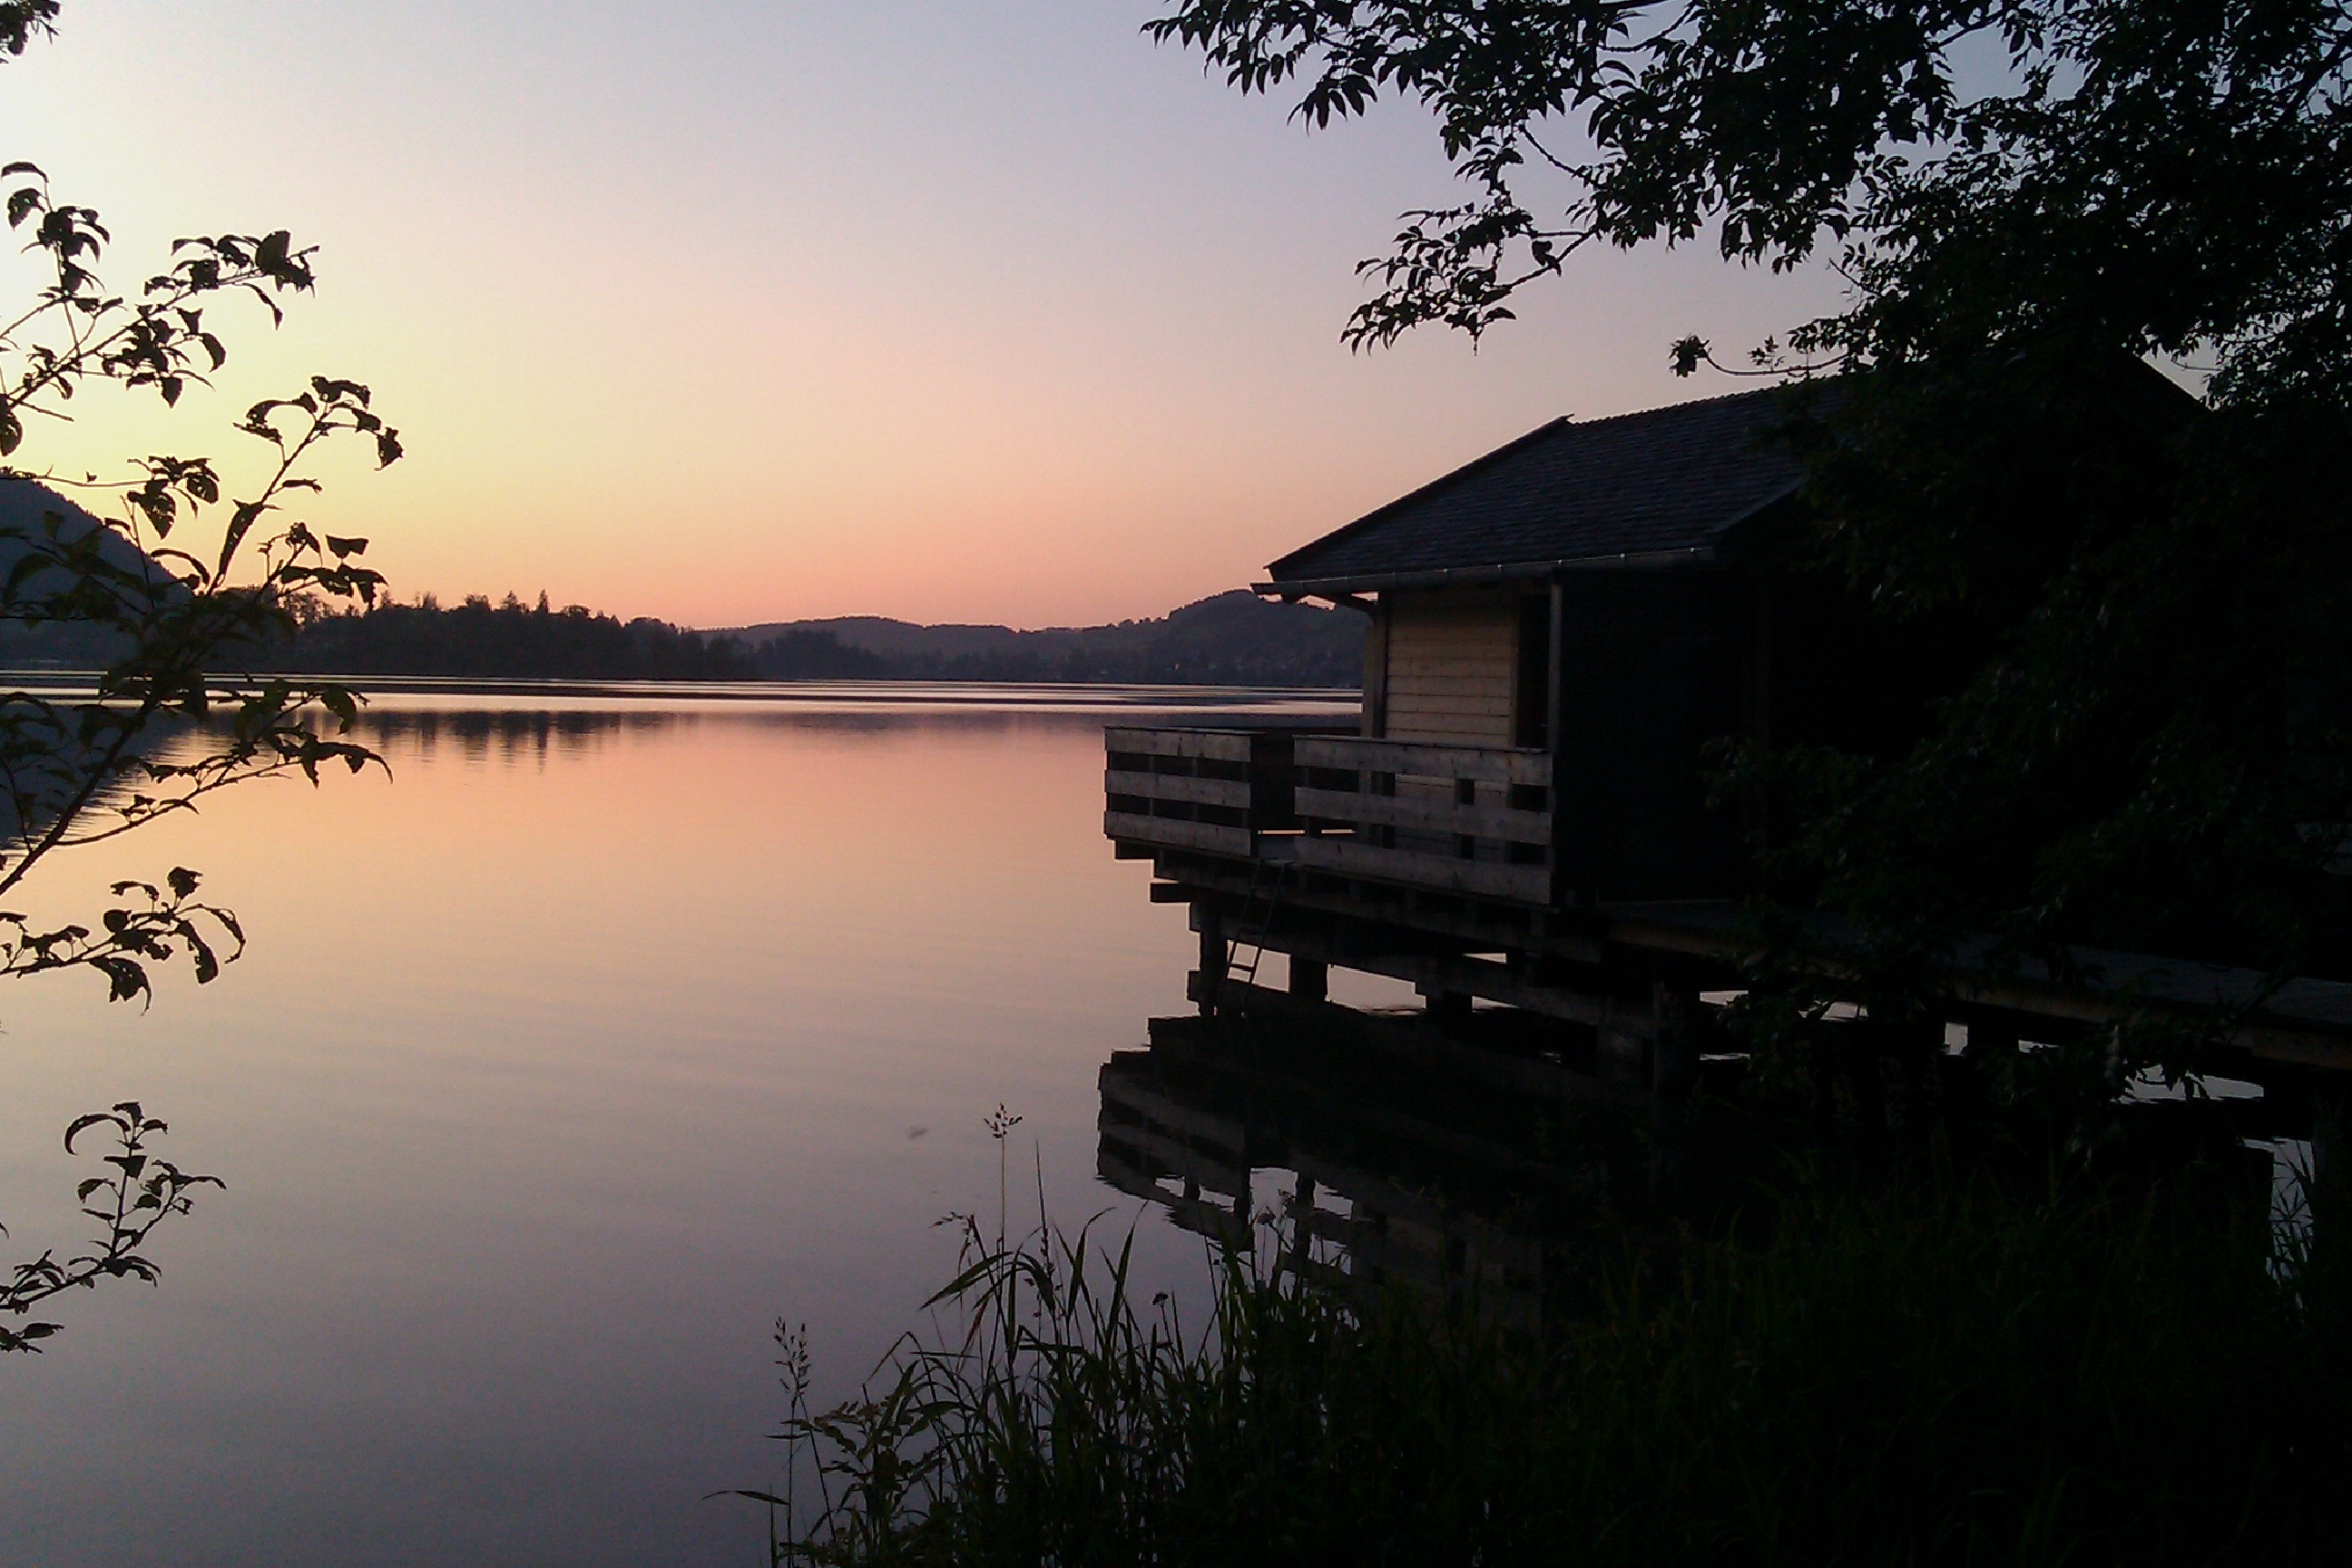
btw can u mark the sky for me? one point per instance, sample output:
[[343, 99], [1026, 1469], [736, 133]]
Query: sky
[[723, 312]]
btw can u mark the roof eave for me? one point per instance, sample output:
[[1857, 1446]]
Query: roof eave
[[1473, 577]]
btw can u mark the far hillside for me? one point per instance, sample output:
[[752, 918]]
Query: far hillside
[[1231, 639], [509, 640]]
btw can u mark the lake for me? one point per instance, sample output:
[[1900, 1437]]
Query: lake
[[610, 1029]]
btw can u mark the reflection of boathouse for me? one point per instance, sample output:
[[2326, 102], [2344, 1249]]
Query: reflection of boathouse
[[1388, 1156], [1557, 634]]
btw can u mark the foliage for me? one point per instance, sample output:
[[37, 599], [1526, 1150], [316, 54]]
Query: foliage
[[188, 576], [2200, 143], [142, 1194], [806, 654], [76, 771], [508, 640], [22, 20], [1926, 1371], [2029, 202]]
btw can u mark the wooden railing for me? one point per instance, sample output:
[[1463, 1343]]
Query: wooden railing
[[1459, 819], [1214, 790], [1473, 820]]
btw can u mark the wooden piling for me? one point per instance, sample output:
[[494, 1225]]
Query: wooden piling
[[1209, 921]]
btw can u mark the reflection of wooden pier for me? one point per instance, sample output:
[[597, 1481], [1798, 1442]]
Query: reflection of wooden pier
[[1388, 1154]]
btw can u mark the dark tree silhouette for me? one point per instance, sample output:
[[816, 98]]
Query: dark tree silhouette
[[184, 575]]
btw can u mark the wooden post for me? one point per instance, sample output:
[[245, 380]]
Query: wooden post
[[1990, 1035], [1677, 1017], [1622, 1044], [2324, 1181], [1444, 1006], [1552, 670], [1376, 671], [1214, 955], [1310, 979], [1562, 892]]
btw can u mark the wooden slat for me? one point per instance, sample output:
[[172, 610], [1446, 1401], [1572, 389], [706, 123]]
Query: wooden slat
[[1494, 733], [1494, 625], [1157, 1125], [1198, 1215], [1428, 658], [1487, 879], [1430, 653], [1404, 702], [1458, 673], [1478, 642], [1415, 669], [1427, 811], [1162, 1155], [1217, 745], [1208, 836], [1232, 793], [1426, 691], [1455, 685], [1487, 764]]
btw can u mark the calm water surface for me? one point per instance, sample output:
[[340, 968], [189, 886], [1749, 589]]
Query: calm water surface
[[612, 1028]]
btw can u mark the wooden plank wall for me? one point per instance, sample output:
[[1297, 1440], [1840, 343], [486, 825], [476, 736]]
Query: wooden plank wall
[[1452, 658]]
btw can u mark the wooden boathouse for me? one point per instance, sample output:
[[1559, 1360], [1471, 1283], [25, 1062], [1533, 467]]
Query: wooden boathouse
[[1556, 634]]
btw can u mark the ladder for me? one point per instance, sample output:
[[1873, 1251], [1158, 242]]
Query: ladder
[[1267, 881]]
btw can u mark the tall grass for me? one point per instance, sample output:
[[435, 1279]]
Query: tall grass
[[1907, 1371]]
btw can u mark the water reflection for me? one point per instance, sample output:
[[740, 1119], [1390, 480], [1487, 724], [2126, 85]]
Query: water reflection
[[507, 739], [563, 1062], [510, 737], [1473, 1163], [1465, 1170], [507, 723]]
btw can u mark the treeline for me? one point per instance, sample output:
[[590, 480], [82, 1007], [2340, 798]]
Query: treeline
[[510, 640], [1233, 639]]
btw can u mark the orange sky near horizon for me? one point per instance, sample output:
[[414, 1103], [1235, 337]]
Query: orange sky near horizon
[[946, 310]]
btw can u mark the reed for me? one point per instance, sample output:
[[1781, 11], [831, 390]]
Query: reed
[[1927, 1371]]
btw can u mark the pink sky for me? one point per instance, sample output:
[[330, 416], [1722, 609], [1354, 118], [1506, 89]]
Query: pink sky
[[966, 310]]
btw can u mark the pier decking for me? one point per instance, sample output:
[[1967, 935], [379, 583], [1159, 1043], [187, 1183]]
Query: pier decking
[[1434, 863]]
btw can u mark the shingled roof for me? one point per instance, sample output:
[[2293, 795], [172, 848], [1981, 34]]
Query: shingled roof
[[1648, 486]]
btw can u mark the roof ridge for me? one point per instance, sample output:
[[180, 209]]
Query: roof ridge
[[1483, 503], [1557, 421], [1549, 426], [1689, 403]]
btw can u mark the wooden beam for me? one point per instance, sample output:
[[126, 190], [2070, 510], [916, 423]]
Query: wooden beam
[[1436, 814], [1215, 745], [1434, 873], [1161, 830], [1486, 764], [1234, 794]]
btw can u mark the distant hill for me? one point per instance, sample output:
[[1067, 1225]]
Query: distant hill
[[1231, 639], [25, 505]]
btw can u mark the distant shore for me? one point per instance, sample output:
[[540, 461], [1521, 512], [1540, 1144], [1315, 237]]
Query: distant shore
[[945, 693]]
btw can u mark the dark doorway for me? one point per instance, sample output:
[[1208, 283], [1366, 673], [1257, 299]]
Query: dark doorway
[[1531, 718]]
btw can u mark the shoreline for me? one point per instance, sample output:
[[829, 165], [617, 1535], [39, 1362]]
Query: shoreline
[[922, 693]]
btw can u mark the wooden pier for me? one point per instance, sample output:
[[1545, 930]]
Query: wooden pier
[[1433, 864]]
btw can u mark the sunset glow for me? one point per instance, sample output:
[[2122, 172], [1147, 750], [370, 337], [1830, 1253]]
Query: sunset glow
[[729, 312]]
